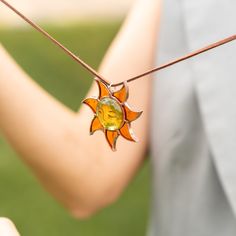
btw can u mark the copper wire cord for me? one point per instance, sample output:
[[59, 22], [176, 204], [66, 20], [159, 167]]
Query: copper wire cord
[[47, 35], [183, 58], [95, 73]]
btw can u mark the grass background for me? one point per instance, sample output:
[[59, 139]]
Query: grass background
[[21, 197]]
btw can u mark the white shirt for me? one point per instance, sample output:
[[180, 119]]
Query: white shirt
[[194, 123]]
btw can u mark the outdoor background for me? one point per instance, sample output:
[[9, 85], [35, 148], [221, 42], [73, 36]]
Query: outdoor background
[[87, 28]]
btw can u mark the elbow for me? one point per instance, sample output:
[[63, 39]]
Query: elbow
[[82, 213], [86, 209]]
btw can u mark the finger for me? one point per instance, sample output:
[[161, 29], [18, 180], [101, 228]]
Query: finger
[[7, 228]]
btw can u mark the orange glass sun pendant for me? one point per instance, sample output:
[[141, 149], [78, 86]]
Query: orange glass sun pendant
[[112, 114]]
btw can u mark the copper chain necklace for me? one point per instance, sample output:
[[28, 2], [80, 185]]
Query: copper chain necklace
[[112, 114]]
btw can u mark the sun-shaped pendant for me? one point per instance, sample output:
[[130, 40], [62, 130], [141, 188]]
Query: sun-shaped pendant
[[112, 114]]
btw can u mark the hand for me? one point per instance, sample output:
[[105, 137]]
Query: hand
[[7, 228]]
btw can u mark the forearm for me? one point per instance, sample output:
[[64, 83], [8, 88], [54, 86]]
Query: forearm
[[39, 128], [54, 141]]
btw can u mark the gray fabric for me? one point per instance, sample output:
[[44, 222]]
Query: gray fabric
[[193, 137]]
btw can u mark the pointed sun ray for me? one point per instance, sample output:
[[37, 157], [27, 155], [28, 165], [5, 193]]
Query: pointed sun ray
[[92, 103], [122, 94], [103, 90], [95, 125], [131, 115], [111, 137], [127, 132]]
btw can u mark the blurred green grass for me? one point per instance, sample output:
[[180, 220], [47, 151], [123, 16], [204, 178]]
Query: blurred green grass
[[21, 196]]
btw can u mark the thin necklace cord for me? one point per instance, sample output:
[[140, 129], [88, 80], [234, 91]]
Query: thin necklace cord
[[183, 58], [47, 35], [95, 73]]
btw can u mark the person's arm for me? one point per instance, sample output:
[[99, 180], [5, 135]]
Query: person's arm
[[7, 228], [80, 170]]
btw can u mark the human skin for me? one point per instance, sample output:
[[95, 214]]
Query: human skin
[[7, 228], [77, 169]]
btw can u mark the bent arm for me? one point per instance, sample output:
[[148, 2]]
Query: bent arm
[[78, 169]]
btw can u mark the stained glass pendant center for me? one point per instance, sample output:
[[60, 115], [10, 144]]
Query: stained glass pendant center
[[110, 113]]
